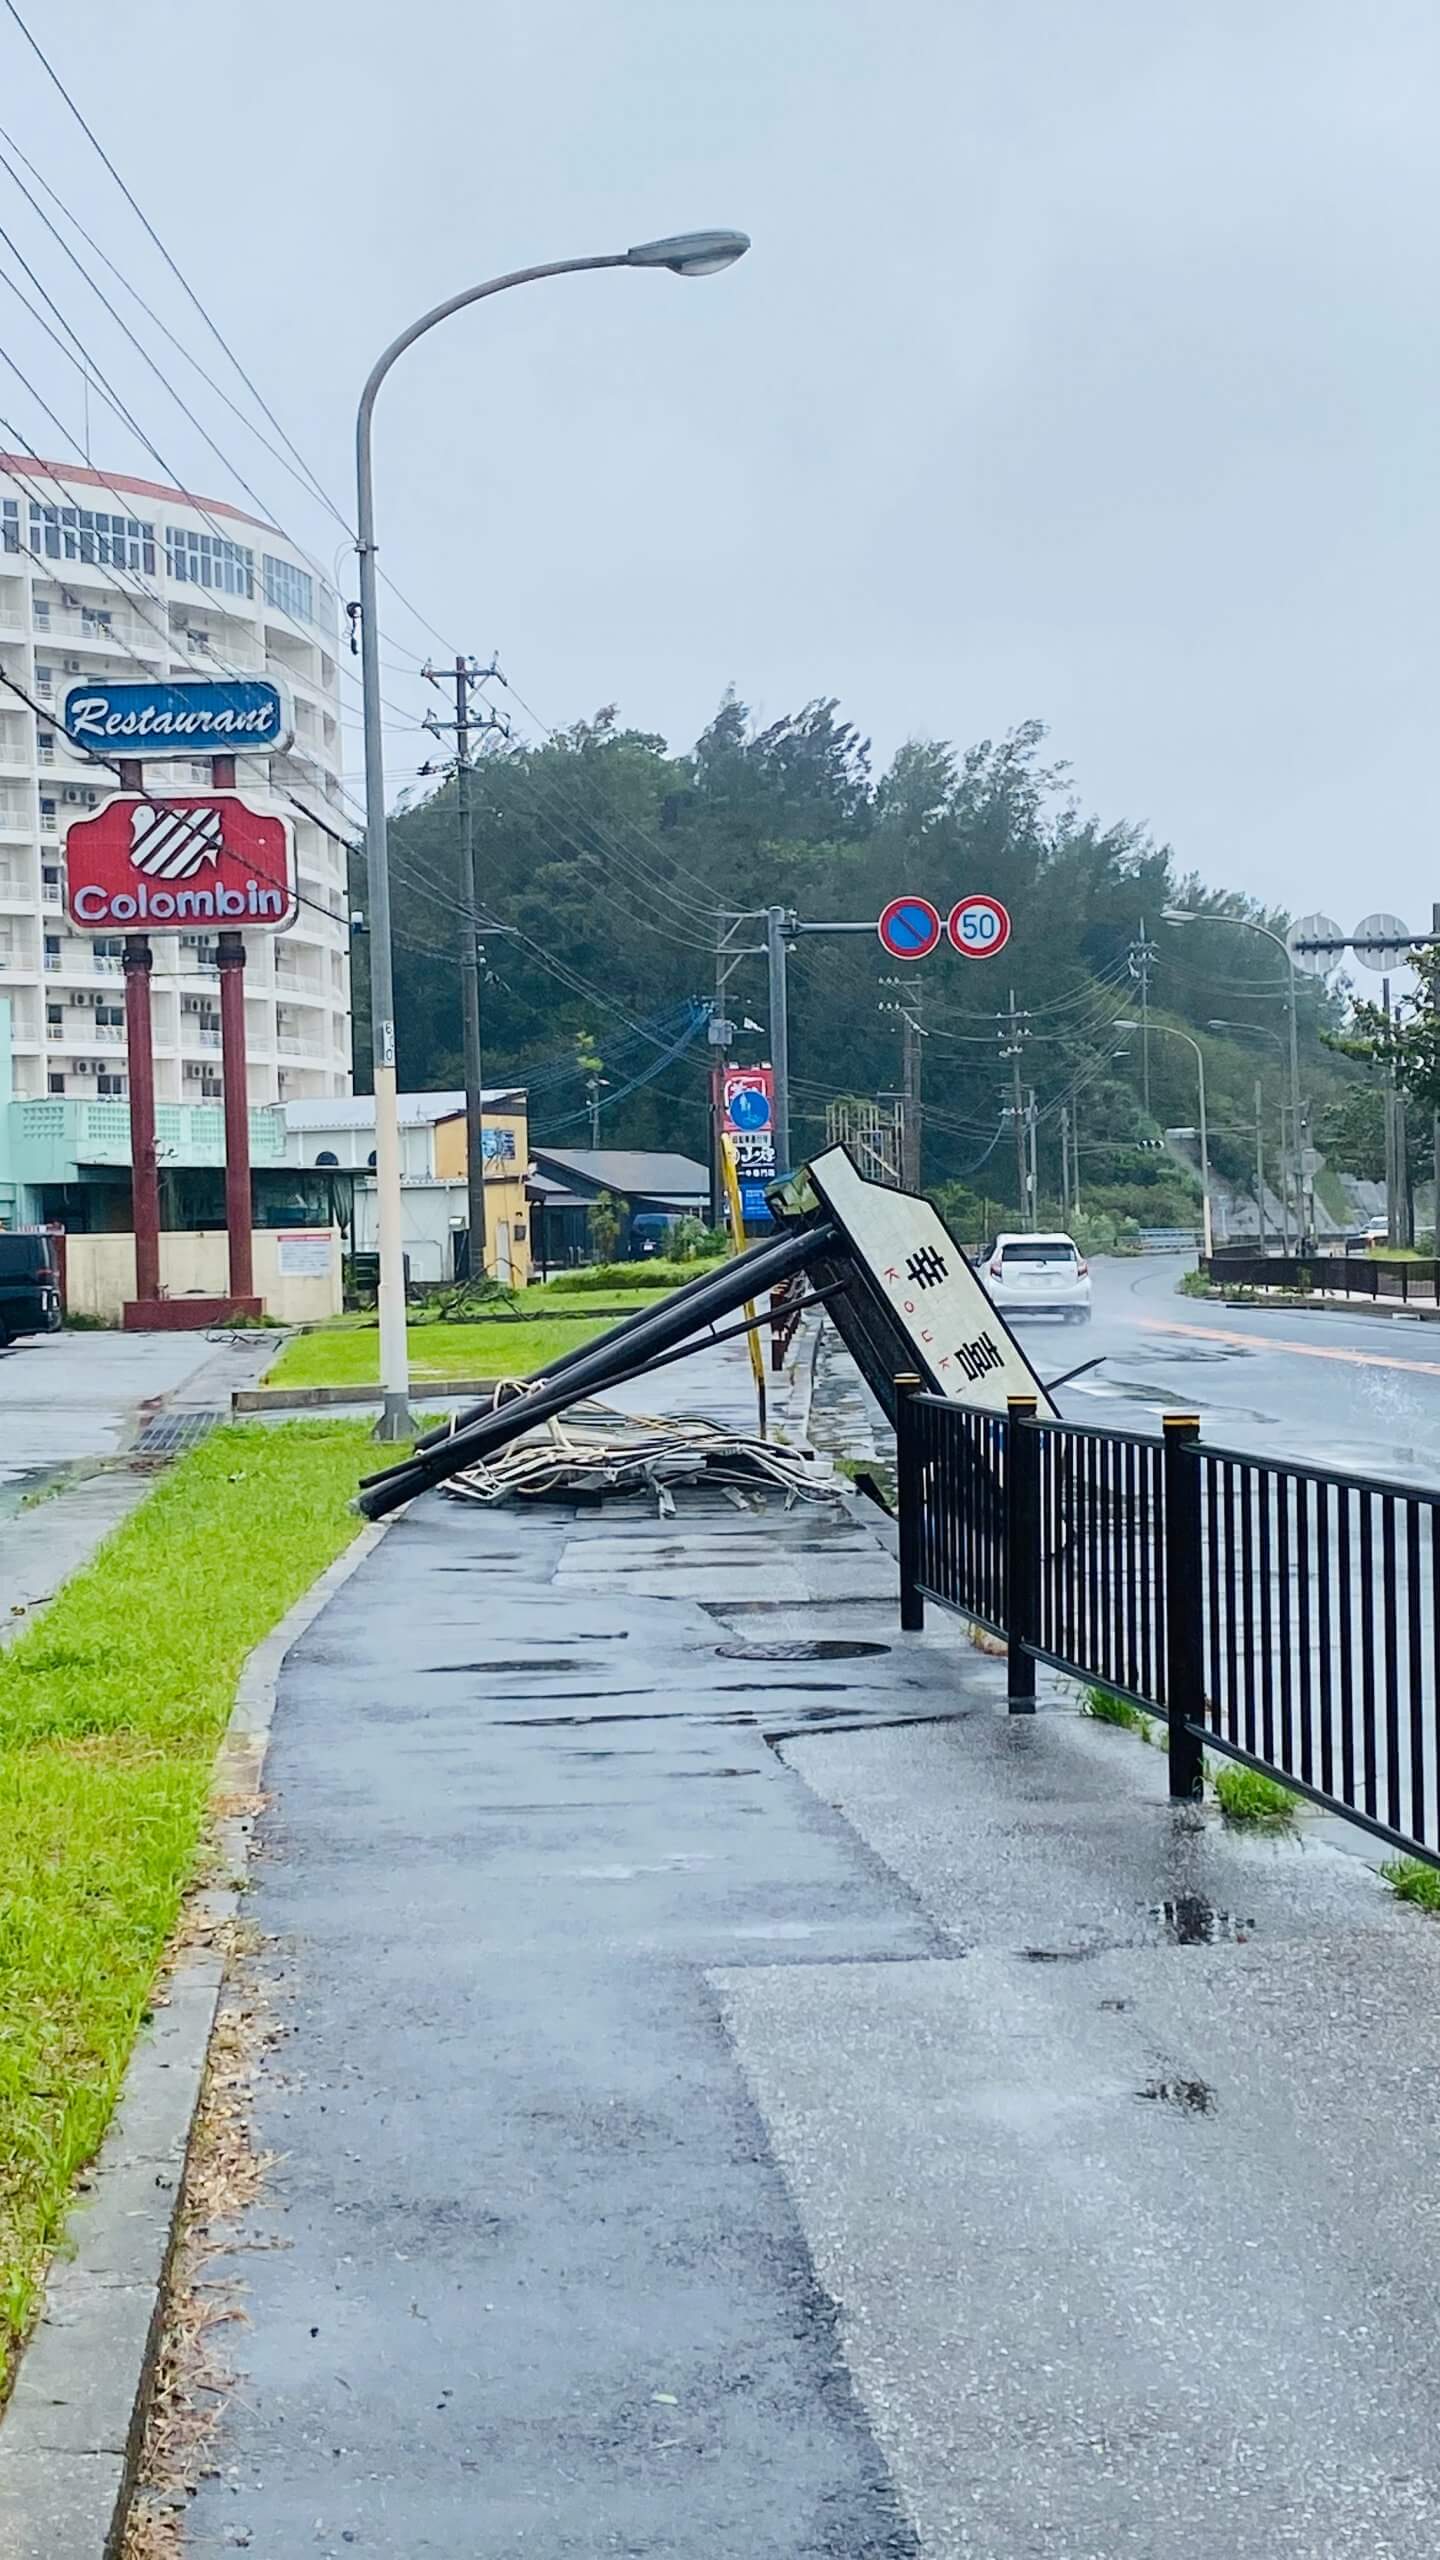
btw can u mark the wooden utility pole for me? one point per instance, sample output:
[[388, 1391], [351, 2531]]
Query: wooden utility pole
[[911, 1008]]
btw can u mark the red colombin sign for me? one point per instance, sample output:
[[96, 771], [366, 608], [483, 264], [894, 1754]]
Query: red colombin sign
[[138, 865]]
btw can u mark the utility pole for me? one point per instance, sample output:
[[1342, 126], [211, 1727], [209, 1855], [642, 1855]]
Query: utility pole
[[1142, 956], [465, 676], [776, 958], [1013, 1034], [1032, 1132], [1065, 1161], [730, 950], [911, 1008], [1260, 1165]]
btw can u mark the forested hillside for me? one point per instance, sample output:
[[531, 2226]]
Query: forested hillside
[[610, 856]]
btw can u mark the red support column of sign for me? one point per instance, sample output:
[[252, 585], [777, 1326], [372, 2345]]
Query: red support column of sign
[[230, 951], [140, 1076], [144, 1172]]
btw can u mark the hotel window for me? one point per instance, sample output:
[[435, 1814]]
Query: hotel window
[[9, 524], [82, 533], [290, 589], [208, 560]]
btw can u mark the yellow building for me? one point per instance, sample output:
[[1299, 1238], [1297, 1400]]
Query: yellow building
[[507, 1157]]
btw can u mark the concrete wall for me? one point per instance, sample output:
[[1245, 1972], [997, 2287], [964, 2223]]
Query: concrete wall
[[100, 1272], [430, 1213], [451, 1151]]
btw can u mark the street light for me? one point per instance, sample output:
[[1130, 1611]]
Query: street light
[[1195, 915], [1262, 1031], [689, 253], [1207, 1228]]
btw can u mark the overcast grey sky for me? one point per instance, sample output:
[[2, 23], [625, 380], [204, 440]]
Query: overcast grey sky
[[1084, 365]]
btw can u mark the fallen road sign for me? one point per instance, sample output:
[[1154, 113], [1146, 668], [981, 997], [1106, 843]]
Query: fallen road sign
[[901, 1292]]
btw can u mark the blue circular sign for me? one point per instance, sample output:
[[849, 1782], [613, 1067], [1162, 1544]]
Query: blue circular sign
[[750, 1108], [909, 928]]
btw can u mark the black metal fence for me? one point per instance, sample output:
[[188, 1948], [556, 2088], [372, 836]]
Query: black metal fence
[[1354, 1275], [1286, 1616]]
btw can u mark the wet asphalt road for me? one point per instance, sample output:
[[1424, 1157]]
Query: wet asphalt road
[[758, 2110], [1358, 1393]]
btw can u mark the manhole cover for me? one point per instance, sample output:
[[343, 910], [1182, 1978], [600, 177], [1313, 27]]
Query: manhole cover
[[802, 1649]]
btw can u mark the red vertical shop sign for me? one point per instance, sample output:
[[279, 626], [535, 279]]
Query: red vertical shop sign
[[745, 1104]]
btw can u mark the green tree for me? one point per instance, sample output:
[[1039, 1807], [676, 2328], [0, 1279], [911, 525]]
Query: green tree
[[603, 1221]]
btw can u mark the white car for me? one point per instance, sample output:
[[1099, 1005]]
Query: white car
[[1038, 1275]]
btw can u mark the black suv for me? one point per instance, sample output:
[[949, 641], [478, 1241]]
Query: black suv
[[29, 1286]]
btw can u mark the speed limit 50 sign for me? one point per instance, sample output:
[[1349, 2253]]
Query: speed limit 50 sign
[[978, 927]]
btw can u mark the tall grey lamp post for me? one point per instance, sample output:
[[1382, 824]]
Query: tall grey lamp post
[[1207, 1227], [693, 253], [1262, 1031], [1195, 915]]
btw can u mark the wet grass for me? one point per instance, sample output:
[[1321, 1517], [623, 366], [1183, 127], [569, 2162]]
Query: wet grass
[[349, 1355], [1254, 1802], [1104, 1707], [1413, 1880], [111, 1707]]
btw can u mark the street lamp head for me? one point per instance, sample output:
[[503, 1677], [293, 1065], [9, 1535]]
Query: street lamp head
[[1180, 915], [691, 253], [1124, 1026]]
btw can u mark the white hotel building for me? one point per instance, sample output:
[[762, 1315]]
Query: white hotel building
[[107, 577]]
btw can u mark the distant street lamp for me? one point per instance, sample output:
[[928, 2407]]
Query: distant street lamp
[[1262, 1031], [689, 253], [1206, 1227], [1195, 915]]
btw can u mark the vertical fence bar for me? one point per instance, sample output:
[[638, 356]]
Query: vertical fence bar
[[910, 1496], [1022, 1545], [1184, 1607]]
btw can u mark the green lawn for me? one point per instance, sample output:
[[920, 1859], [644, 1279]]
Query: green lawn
[[348, 1355], [111, 1708]]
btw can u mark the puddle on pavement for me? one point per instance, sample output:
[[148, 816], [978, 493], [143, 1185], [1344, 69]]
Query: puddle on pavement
[[1193, 2097], [802, 1649], [1192, 1921], [538, 1662], [783, 1688], [1058, 1955]]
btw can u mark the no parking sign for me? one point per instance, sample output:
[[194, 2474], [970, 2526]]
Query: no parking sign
[[909, 928]]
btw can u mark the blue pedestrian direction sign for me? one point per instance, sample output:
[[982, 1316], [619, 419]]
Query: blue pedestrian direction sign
[[909, 928]]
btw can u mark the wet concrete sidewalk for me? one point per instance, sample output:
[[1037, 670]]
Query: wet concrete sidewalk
[[77, 1410], [779, 2107]]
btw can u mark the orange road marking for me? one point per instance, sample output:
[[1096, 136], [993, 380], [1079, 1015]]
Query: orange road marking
[[1306, 1350]]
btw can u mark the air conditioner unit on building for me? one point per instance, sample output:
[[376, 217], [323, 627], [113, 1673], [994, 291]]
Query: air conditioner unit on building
[[71, 666], [82, 1001], [82, 1066]]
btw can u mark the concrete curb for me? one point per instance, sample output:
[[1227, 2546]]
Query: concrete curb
[[1393, 1310], [318, 1399], [70, 2436]]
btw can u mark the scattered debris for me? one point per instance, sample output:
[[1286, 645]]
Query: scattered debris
[[1196, 2097], [192, 2380]]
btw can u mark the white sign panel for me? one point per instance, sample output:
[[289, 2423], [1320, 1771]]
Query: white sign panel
[[963, 1348], [305, 1253]]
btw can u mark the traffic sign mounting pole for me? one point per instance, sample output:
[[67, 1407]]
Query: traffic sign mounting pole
[[777, 955]]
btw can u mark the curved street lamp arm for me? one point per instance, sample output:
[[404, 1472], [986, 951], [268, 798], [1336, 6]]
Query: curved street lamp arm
[[407, 338]]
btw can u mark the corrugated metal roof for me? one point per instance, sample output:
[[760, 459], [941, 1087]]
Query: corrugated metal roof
[[417, 1110], [629, 1170]]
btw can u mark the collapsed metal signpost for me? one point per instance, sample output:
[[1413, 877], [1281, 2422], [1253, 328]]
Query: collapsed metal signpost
[[897, 1286]]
